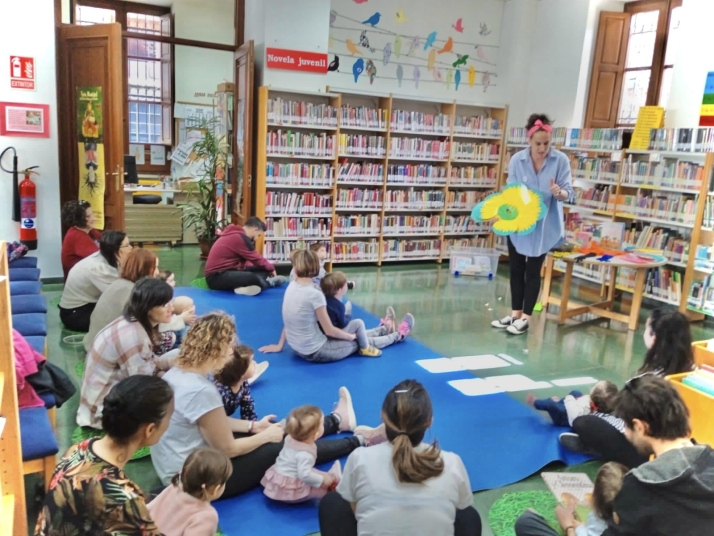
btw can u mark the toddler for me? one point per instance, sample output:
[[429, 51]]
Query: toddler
[[293, 478], [183, 508], [321, 251], [184, 311], [233, 381], [564, 411]]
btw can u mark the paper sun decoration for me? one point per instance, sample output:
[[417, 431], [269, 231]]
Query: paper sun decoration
[[516, 210]]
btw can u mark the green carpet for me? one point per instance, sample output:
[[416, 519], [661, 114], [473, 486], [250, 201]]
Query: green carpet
[[200, 283], [505, 511], [82, 433]]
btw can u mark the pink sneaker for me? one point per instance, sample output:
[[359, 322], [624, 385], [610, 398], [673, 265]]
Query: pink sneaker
[[372, 436], [530, 399], [405, 326], [346, 411], [388, 320]]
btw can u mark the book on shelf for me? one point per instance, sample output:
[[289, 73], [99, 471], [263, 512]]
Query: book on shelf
[[474, 151], [298, 227], [406, 249], [519, 136], [299, 174], [360, 172], [362, 117], [418, 148], [605, 139], [457, 200], [670, 207], [416, 174], [599, 197], [600, 169], [455, 243], [464, 224], [286, 112], [362, 251], [610, 234], [688, 140], [362, 145], [358, 224], [704, 258], [673, 244], [410, 199], [486, 176], [404, 224], [297, 203], [666, 174], [417, 122], [358, 198], [280, 251], [477, 125], [289, 143]]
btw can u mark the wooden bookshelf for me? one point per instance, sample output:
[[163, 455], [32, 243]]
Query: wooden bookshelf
[[13, 514], [460, 157]]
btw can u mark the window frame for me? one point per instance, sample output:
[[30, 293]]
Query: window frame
[[122, 9], [657, 65]]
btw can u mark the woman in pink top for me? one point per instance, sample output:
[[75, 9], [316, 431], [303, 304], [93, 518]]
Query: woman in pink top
[[184, 507], [82, 239]]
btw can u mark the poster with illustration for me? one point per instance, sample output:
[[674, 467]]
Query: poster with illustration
[[92, 178], [90, 122]]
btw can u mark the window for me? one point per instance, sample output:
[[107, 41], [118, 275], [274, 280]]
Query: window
[[148, 66]]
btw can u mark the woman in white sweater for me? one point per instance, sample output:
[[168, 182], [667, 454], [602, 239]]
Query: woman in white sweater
[[89, 278]]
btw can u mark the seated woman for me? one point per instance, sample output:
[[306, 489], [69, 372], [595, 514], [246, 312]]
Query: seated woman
[[402, 486], [126, 347], [82, 239], [91, 473], [89, 278], [200, 419]]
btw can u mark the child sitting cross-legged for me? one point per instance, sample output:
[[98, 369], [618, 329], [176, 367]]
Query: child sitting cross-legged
[[293, 478], [564, 411], [233, 381], [184, 507]]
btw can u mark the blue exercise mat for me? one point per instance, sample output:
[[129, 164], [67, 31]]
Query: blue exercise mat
[[500, 440]]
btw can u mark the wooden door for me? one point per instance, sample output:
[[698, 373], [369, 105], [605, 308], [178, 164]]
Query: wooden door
[[242, 178], [91, 57]]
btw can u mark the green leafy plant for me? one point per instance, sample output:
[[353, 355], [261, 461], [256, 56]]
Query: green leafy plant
[[200, 212]]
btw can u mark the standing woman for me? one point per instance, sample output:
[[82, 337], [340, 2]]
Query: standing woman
[[543, 169], [82, 239]]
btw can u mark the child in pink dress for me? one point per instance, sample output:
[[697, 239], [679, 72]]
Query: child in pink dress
[[293, 478]]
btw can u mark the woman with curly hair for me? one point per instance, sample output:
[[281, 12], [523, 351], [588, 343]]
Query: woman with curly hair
[[127, 347], [82, 239], [200, 420]]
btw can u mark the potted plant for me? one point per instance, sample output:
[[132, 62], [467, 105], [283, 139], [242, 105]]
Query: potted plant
[[201, 212]]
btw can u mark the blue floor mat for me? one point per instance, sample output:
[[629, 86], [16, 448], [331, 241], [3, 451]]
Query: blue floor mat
[[500, 440]]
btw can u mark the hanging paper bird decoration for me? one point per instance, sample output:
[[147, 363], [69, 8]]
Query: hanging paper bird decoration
[[398, 46], [331, 42], [461, 60], [449, 78], [358, 68], [437, 74], [401, 16], [352, 47], [364, 41], [371, 71], [472, 76], [333, 17], [484, 29], [458, 26], [360, 1], [431, 60], [430, 40], [480, 54], [334, 64], [417, 76], [400, 75], [486, 81], [448, 46], [387, 53], [373, 20], [457, 78], [414, 45]]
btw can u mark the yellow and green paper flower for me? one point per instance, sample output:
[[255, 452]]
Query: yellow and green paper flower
[[516, 210]]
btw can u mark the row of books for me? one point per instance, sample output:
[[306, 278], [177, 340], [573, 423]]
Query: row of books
[[689, 140], [406, 120], [362, 117], [419, 148], [410, 199], [359, 224], [667, 174], [473, 176], [412, 224], [597, 198], [702, 380], [285, 112], [363, 145], [367, 251], [606, 139], [416, 174], [701, 295], [356, 172], [287, 142], [297, 203], [475, 151], [280, 251], [300, 174], [478, 125], [500, 245], [359, 198], [519, 136], [599, 169], [298, 227], [464, 200], [676, 208], [708, 218], [411, 249], [474, 242], [673, 244], [608, 234], [464, 224], [704, 258]]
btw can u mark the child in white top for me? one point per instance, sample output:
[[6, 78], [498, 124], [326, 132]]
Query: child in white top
[[293, 478], [184, 507], [184, 310], [564, 411], [321, 250]]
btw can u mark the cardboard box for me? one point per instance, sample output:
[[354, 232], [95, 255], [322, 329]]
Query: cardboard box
[[226, 87]]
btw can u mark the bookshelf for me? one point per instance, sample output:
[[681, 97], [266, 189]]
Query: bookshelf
[[13, 515], [377, 178]]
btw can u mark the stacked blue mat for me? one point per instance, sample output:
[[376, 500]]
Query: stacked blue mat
[[500, 440], [29, 317]]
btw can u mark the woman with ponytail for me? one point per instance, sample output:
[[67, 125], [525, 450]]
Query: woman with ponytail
[[402, 486], [89, 492]]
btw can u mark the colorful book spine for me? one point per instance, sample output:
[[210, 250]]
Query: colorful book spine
[[298, 227], [291, 143], [410, 199], [289, 203], [478, 126], [416, 174], [409, 121], [358, 198], [360, 172], [363, 117], [362, 145], [362, 251], [284, 112], [300, 174]]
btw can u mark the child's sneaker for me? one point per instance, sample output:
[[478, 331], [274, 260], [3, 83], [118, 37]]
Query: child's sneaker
[[252, 290], [370, 351], [346, 411], [388, 320], [406, 326], [572, 442], [259, 369], [351, 285], [277, 281], [518, 327], [503, 323], [348, 308], [371, 436]]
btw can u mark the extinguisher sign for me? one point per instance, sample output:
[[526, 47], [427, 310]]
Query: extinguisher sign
[[22, 73]]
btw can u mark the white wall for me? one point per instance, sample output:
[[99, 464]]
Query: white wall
[[43, 152]]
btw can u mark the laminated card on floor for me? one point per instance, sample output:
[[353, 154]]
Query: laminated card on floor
[[566, 382], [516, 382], [439, 365], [480, 362], [475, 387]]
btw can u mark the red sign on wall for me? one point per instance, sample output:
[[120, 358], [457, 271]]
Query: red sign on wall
[[22, 73], [296, 60]]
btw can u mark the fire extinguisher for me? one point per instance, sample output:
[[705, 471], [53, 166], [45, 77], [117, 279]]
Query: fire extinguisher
[[28, 210]]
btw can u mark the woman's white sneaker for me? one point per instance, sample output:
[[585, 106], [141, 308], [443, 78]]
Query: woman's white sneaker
[[503, 323], [518, 327]]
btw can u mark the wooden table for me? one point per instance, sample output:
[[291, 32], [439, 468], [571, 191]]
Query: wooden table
[[603, 308]]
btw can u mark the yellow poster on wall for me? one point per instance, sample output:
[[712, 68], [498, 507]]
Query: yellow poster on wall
[[648, 117], [91, 178]]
